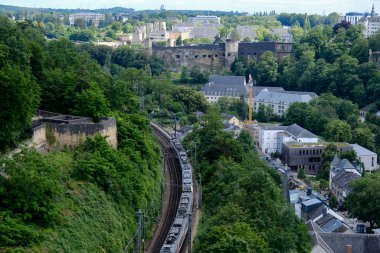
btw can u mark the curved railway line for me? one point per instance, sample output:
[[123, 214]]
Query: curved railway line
[[174, 188]]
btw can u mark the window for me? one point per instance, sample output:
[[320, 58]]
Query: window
[[268, 135], [373, 161]]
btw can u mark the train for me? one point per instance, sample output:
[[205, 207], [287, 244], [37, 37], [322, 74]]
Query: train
[[178, 230]]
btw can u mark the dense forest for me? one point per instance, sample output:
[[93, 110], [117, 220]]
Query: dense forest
[[243, 205]]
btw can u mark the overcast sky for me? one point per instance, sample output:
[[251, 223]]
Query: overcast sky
[[309, 6]]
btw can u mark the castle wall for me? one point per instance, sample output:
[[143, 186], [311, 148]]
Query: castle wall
[[53, 135], [206, 57], [39, 136], [216, 57]]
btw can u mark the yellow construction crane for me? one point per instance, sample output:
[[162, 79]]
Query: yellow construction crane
[[250, 102]]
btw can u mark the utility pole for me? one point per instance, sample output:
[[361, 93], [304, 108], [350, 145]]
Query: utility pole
[[139, 214], [143, 232], [200, 191], [250, 102], [195, 162], [189, 233]]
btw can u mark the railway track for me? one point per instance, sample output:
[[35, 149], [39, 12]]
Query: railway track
[[174, 188]]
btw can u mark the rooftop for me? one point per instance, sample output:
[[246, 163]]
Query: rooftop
[[311, 202], [274, 97], [299, 132], [305, 144], [227, 80], [343, 178], [361, 151]]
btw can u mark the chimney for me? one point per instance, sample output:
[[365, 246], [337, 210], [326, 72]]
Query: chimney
[[349, 249], [324, 212]]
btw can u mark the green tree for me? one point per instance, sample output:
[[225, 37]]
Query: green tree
[[92, 102], [178, 41], [190, 99], [349, 155], [363, 137], [237, 237], [338, 130], [116, 26], [326, 157], [360, 50], [34, 182], [82, 35], [363, 201], [374, 42], [127, 28], [333, 202], [185, 76], [20, 97], [80, 23], [267, 69], [111, 34], [234, 35], [297, 113], [301, 173]]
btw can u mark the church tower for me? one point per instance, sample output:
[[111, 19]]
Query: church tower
[[373, 11]]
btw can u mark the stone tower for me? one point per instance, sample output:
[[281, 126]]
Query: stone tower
[[231, 52], [148, 46]]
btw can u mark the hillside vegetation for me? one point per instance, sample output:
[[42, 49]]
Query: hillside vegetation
[[82, 200]]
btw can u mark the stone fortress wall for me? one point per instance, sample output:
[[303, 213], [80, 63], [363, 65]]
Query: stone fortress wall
[[215, 57], [56, 131]]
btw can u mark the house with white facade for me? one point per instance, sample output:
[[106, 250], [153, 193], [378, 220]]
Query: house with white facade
[[89, 17], [205, 19], [279, 101], [272, 138], [367, 157], [354, 17], [371, 23], [283, 35]]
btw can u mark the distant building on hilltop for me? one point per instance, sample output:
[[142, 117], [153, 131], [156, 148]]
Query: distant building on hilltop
[[283, 35], [205, 19], [247, 32], [89, 17]]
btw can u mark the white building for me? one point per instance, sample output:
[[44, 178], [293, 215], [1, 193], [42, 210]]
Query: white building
[[354, 17], [370, 23], [268, 138], [283, 35], [271, 138], [280, 101], [367, 157], [205, 19], [95, 18]]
